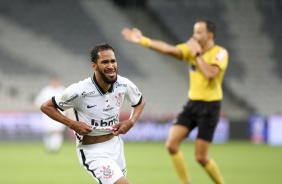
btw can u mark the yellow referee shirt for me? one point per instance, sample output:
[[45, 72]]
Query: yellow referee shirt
[[202, 88]]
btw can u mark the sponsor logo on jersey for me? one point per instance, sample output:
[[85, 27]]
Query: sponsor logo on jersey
[[69, 100], [108, 109], [105, 122], [120, 85], [90, 106], [221, 55], [107, 171], [64, 96], [84, 94]]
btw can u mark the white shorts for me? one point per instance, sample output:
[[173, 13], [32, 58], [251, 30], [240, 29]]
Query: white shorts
[[104, 161]]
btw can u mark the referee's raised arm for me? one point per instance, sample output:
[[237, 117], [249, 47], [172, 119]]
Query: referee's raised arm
[[135, 36], [207, 63]]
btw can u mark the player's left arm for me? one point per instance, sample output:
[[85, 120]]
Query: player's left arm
[[124, 126]]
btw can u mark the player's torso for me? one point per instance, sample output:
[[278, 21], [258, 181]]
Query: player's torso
[[100, 110], [94, 106]]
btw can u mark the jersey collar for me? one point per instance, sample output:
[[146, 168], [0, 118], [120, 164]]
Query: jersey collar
[[101, 91]]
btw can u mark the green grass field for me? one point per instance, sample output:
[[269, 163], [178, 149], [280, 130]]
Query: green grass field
[[147, 163]]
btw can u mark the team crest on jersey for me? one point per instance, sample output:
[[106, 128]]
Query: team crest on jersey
[[119, 99], [107, 172]]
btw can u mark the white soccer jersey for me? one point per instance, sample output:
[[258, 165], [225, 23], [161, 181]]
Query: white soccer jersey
[[96, 107]]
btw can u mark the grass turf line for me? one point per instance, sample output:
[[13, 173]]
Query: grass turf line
[[147, 162]]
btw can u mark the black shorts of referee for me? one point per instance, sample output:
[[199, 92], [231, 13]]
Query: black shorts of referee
[[201, 114]]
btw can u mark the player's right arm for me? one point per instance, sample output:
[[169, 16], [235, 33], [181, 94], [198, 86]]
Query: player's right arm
[[51, 110], [135, 36]]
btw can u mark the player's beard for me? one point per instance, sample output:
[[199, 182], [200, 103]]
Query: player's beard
[[106, 79]]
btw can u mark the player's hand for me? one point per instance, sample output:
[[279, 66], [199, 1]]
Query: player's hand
[[122, 127], [194, 45], [81, 128], [133, 35]]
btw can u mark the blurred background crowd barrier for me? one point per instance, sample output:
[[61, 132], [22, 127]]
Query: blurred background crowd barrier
[[42, 38], [26, 126]]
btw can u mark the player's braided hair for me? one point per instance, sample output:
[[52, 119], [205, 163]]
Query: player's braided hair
[[97, 48]]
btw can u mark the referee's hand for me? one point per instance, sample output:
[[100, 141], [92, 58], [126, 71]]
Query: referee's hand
[[133, 35], [194, 45]]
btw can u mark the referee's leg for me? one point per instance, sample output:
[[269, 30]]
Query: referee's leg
[[210, 166], [176, 135]]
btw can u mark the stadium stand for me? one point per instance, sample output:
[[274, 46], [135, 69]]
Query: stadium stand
[[53, 37], [250, 77], [42, 38], [271, 10], [158, 89], [261, 86], [45, 37]]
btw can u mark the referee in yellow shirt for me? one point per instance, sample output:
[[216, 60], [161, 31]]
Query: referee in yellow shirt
[[207, 65]]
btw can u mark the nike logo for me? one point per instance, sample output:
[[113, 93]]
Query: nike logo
[[90, 106]]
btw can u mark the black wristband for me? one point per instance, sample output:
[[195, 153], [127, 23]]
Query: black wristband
[[198, 54]]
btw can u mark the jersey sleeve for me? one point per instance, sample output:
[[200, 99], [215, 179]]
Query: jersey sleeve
[[134, 96], [220, 59], [187, 55], [67, 99]]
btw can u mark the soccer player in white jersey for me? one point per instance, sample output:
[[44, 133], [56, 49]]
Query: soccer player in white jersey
[[53, 131], [97, 102]]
